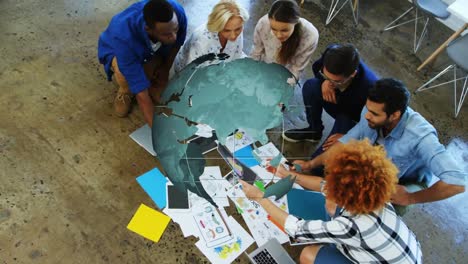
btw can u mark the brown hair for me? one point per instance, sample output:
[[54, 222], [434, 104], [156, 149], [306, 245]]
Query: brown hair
[[360, 177], [287, 11]]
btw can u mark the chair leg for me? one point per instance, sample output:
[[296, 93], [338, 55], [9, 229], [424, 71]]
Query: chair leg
[[332, 12], [417, 42], [426, 85], [391, 24], [355, 10], [458, 102]]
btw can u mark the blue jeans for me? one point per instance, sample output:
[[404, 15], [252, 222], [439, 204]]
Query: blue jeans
[[314, 105], [328, 253]]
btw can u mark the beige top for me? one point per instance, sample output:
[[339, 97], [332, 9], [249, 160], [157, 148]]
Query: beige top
[[266, 45]]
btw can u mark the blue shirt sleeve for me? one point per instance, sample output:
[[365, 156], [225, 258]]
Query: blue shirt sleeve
[[358, 131], [131, 67], [439, 161]]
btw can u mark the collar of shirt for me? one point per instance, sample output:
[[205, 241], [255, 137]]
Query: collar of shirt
[[397, 132], [155, 46]]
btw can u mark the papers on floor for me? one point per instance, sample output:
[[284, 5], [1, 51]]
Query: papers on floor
[[148, 223], [228, 252], [143, 137], [237, 141], [215, 185], [256, 218]]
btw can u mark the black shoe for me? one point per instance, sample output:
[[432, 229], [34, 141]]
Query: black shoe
[[305, 134]]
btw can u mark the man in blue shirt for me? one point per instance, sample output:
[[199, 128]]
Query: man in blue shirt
[[139, 47], [410, 141], [340, 87]]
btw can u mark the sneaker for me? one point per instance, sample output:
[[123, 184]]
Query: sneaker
[[305, 134], [122, 104]]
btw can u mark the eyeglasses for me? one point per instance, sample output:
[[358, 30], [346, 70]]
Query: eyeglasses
[[336, 83]]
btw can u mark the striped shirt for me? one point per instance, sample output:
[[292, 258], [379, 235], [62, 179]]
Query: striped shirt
[[378, 237]]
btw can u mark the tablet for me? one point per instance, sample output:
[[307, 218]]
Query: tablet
[[176, 199]]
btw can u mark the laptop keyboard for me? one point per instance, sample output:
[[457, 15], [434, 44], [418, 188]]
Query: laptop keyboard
[[264, 257]]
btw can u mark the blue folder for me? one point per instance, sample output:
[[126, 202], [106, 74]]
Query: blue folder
[[308, 205], [154, 184]]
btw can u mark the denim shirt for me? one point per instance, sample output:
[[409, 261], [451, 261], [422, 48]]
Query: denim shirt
[[414, 148]]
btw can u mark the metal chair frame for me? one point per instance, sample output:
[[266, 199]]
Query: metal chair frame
[[457, 102], [417, 41], [332, 12]]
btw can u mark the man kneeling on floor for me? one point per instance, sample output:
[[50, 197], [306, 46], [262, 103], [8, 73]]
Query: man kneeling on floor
[[340, 87], [411, 143], [359, 183], [139, 47]]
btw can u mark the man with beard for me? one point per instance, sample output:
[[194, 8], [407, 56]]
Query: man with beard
[[410, 141]]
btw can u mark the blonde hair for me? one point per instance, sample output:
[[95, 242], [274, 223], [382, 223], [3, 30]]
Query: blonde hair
[[222, 12]]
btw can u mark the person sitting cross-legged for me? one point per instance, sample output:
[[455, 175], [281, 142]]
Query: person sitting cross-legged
[[364, 228], [340, 87]]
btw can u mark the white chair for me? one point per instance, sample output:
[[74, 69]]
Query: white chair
[[429, 8], [457, 50]]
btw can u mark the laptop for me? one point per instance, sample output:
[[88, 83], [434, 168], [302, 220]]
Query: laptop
[[272, 252]]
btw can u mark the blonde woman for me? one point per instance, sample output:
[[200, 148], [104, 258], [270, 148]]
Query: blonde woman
[[221, 34], [284, 37]]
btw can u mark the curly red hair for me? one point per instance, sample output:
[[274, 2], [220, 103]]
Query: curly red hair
[[360, 177]]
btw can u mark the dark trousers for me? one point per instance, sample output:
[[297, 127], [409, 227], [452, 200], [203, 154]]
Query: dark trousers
[[314, 103]]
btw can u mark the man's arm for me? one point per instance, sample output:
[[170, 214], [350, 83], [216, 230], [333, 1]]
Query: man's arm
[[436, 192], [442, 164], [146, 106]]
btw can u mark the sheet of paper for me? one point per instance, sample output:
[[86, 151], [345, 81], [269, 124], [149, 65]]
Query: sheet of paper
[[154, 184], [266, 152], [215, 185], [143, 137], [148, 223], [211, 225], [228, 252], [204, 131], [185, 221], [263, 229], [245, 156], [256, 217], [237, 141]]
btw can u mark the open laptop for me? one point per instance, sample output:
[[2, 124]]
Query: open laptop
[[272, 252]]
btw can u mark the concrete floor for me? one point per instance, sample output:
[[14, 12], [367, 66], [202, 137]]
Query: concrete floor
[[68, 167]]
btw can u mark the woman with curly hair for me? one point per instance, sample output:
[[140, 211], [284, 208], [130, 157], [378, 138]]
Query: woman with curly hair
[[359, 181], [284, 37]]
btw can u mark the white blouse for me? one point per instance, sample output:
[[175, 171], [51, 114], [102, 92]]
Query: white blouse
[[203, 42], [267, 46]]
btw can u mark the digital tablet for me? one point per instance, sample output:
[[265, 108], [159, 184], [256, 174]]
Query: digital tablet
[[176, 199]]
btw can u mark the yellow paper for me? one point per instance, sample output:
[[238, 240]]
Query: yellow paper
[[148, 223]]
